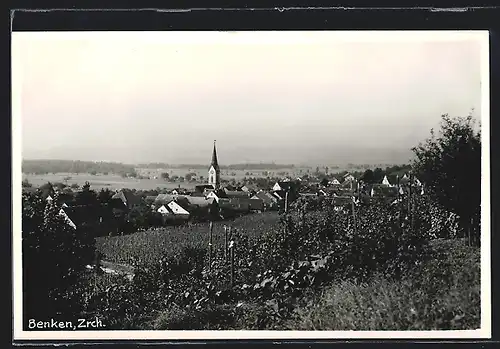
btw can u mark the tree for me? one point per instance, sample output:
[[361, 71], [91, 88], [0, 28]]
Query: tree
[[140, 216], [368, 177], [86, 197], [190, 176], [165, 176], [54, 257], [378, 175], [324, 182], [449, 164], [105, 196]]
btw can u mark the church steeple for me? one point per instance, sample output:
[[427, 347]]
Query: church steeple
[[214, 171], [214, 162]]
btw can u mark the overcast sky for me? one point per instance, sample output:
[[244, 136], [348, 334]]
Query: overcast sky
[[283, 97]]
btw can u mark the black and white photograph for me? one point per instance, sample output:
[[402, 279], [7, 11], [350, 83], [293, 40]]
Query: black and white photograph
[[251, 184]]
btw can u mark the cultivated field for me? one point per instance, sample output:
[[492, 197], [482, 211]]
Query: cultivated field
[[114, 182], [99, 181], [149, 246]]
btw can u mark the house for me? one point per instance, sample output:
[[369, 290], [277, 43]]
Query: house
[[163, 199], [417, 182], [269, 201], [174, 212], [248, 188], [245, 204], [76, 216], [179, 191], [405, 181], [207, 191], [62, 212], [127, 198], [334, 181], [217, 195], [405, 190], [177, 209], [150, 199], [284, 186], [197, 194], [197, 201], [163, 210], [201, 188], [200, 208], [232, 206], [348, 177], [385, 181], [235, 194], [349, 181]]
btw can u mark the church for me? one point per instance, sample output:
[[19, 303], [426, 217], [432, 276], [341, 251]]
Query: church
[[214, 171]]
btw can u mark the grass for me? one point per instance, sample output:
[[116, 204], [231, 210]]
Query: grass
[[149, 246], [425, 300]]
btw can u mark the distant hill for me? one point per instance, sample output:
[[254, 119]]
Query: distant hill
[[75, 166]]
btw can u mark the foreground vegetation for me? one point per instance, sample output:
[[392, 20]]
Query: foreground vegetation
[[443, 293]]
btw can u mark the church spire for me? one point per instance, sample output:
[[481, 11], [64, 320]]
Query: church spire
[[214, 163], [214, 171]]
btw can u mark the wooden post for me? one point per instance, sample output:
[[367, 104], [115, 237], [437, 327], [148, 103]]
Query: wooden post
[[232, 263], [397, 187], [225, 243], [210, 246], [286, 202], [353, 215]]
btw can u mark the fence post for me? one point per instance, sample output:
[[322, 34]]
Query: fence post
[[286, 202], [232, 263], [210, 247], [225, 243]]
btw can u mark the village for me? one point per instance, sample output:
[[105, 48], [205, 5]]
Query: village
[[215, 201]]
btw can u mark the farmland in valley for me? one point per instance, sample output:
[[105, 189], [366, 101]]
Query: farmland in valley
[[100, 181], [114, 181], [149, 246]]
